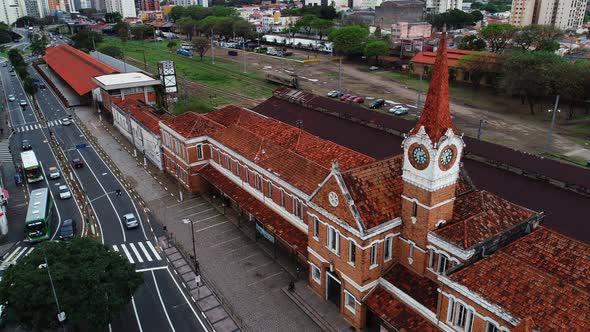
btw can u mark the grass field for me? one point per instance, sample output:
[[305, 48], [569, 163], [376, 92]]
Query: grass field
[[223, 75]]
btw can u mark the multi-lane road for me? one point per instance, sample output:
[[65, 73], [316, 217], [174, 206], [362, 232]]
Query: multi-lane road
[[160, 304]]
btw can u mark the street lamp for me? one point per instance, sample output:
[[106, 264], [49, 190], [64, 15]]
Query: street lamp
[[61, 316], [550, 133], [194, 255]]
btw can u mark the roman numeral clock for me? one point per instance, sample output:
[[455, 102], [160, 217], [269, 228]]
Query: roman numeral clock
[[167, 71]]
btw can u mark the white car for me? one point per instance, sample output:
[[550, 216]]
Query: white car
[[64, 192], [11, 98], [130, 220], [53, 172], [23, 103], [66, 122], [399, 110], [334, 94]]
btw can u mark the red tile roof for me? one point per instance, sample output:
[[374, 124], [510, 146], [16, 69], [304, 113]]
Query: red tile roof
[[436, 116], [190, 125], [396, 313], [419, 288], [271, 220], [543, 277], [144, 114], [480, 215], [76, 67]]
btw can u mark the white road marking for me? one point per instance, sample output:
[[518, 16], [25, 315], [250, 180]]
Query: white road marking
[[136, 315], [115, 248], [136, 252], [20, 253], [13, 253], [162, 302], [30, 250], [215, 225], [215, 216], [145, 252], [149, 243], [152, 269], [127, 254], [187, 301]]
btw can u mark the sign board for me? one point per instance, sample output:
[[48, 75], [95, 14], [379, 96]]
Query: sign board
[[260, 229], [81, 146]]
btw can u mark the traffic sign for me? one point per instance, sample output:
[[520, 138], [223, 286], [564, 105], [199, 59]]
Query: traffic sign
[[81, 146]]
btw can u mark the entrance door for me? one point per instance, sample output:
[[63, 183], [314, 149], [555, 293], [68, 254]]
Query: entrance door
[[333, 289]]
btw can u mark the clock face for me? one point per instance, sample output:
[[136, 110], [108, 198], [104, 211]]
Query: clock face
[[418, 156], [333, 197], [447, 157]]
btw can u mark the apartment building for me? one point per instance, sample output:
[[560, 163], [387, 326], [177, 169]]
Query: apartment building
[[563, 14], [125, 7]]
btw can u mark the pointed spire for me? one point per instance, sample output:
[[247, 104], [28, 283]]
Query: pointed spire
[[436, 116]]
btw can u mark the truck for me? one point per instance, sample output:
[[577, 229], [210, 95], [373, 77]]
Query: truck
[[283, 79], [276, 51]]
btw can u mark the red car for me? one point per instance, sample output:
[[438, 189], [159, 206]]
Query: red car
[[344, 97], [77, 163], [359, 100], [351, 98]]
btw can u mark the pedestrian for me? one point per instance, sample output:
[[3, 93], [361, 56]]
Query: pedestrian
[[16, 180]]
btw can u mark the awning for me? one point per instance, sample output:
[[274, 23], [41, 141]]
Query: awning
[[271, 220]]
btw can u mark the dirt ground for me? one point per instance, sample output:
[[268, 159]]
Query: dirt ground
[[513, 129]]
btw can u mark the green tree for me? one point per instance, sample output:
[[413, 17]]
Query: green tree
[[38, 45], [305, 23], [25, 21], [177, 12], [114, 17], [244, 29], [478, 66], [85, 40], [454, 19], [197, 12], [376, 48], [29, 86], [87, 11], [527, 75], [321, 26], [350, 40], [93, 285], [539, 37], [222, 11], [122, 30], [5, 36], [187, 26], [472, 43], [172, 45], [568, 82], [113, 51], [16, 58], [497, 35], [201, 45], [142, 31]]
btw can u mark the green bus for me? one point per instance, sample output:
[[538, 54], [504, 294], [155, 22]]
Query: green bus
[[37, 223], [31, 166]]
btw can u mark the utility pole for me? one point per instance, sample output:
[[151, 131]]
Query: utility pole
[[550, 133]]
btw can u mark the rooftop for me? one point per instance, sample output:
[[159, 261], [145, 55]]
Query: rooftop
[[125, 80], [419, 288], [543, 275], [144, 114]]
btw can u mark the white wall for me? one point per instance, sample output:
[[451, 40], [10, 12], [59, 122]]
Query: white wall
[[148, 143]]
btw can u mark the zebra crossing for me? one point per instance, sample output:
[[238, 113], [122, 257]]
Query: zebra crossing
[[5, 155], [18, 253], [25, 128], [138, 252]]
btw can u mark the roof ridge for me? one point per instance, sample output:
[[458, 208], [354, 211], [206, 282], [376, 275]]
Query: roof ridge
[[374, 162], [564, 235]]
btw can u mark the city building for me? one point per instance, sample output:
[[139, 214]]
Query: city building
[[34, 8], [405, 30], [99, 5], [394, 12], [11, 10], [125, 7], [54, 5], [114, 88], [204, 3], [149, 5], [563, 14], [441, 6]]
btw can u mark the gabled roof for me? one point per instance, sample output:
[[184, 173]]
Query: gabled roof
[[420, 288], [542, 277], [76, 67], [190, 125], [144, 114], [480, 215]]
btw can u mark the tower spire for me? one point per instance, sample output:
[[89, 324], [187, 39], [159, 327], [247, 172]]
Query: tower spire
[[436, 116]]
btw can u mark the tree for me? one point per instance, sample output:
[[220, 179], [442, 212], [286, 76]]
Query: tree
[[472, 43], [201, 45], [222, 11], [25, 21], [454, 19], [113, 51], [321, 26], [568, 82], [93, 285], [479, 65], [497, 35], [5, 36], [350, 40], [114, 17], [244, 29], [142, 31], [16, 58], [38, 44], [187, 26], [376, 48], [86, 40], [526, 74], [177, 12], [539, 37], [87, 11], [29, 86], [305, 23], [122, 30], [171, 45]]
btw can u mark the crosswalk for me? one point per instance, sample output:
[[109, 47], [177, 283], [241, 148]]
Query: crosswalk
[[25, 128], [18, 252], [5, 155], [138, 252]]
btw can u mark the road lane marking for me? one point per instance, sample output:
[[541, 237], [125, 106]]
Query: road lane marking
[[20, 254], [149, 243], [136, 252], [145, 252], [127, 254], [152, 269], [162, 302], [136, 315], [198, 221], [30, 250], [186, 299], [13, 253], [215, 225]]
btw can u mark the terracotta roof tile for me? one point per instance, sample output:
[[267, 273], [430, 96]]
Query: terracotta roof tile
[[191, 124], [144, 114], [271, 220], [479, 215], [396, 313], [542, 277], [419, 288]]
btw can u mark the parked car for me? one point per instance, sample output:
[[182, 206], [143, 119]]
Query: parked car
[[358, 100], [68, 229], [4, 64], [12, 73], [26, 145], [42, 86], [77, 163], [53, 172], [130, 220], [350, 98], [334, 94], [66, 122], [11, 98], [399, 110], [377, 103], [344, 96], [23, 103], [64, 192]]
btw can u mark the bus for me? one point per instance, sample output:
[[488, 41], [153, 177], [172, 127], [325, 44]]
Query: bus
[[31, 166], [37, 223]]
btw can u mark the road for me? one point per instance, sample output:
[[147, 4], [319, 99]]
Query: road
[[160, 304]]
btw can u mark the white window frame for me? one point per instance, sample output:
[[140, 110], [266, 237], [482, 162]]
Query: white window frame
[[269, 189], [374, 255], [388, 248], [441, 258], [347, 297], [297, 208], [458, 310], [314, 268], [200, 152], [258, 182], [247, 175], [492, 325], [411, 252], [282, 198], [351, 252], [333, 240], [316, 228], [431, 257]]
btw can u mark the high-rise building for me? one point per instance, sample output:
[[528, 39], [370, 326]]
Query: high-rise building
[[99, 5], [53, 5], [204, 3], [34, 8], [125, 7], [563, 14], [149, 5], [10, 11], [442, 6]]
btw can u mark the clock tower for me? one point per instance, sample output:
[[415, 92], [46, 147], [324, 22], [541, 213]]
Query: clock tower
[[432, 154]]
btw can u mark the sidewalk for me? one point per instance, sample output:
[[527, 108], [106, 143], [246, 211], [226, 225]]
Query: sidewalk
[[240, 270]]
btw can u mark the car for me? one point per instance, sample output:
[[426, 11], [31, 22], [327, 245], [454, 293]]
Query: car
[[334, 94], [377, 103], [66, 122], [4, 64], [130, 220], [64, 192], [350, 98], [77, 163], [12, 74], [23, 102], [42, 86], [344, 96], [68, 229], [399, 110], [53, 172], [11, 98], [26, 145], [358, 100]]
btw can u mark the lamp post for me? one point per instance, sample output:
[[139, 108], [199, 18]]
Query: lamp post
[[550, 133], [61, 316], [194, 255]]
